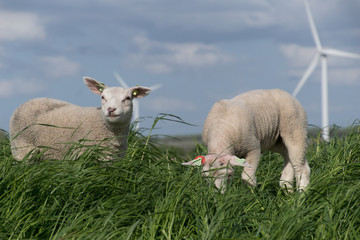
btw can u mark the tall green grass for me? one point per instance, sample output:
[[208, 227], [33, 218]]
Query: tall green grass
[[149, 195]]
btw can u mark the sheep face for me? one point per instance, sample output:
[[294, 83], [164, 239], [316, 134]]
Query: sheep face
[[217, 169], [116, 102]]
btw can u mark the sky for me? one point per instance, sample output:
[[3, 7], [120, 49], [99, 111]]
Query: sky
[[201, 51]]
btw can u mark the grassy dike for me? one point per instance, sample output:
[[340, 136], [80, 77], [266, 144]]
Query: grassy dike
[[149, 195]]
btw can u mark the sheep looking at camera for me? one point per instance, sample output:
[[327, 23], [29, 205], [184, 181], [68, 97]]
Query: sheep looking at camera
[[249, 124], [56, 125]]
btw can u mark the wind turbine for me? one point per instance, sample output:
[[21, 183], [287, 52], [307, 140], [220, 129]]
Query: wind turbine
[[135, 101], [322, 55]]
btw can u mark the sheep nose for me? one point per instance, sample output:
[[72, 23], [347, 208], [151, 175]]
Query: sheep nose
[[110, 109]]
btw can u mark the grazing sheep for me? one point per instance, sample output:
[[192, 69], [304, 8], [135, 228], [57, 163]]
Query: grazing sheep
[[248, 125], [57, 124]]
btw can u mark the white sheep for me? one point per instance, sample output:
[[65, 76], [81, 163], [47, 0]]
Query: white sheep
[[249, 124], [57, 125]]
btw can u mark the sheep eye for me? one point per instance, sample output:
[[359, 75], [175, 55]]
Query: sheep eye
[[103, 98], [127, 99]]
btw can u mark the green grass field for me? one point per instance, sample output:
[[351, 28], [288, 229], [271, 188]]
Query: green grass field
[[149, 195]]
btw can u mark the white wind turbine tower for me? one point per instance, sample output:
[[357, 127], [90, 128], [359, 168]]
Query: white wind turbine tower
[[135, 101], [322, 55]]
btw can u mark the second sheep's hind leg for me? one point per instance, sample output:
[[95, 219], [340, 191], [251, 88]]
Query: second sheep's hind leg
[[296, 151], [287, 174]]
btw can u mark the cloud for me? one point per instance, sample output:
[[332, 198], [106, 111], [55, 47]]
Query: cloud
[[59, 66], [158, 68], [298, 56], [20, 26], [340, 70], [164, 57], [2, 53], [211, 18], [345, 76], [19, 86]]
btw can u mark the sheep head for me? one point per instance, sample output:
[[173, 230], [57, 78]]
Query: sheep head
[[218, 169], [116, 102]]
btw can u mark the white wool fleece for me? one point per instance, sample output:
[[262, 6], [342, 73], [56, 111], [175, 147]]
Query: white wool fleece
[[57, 124], [251, 123]]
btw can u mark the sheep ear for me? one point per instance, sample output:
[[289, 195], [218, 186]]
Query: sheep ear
[[139, 91], [235, 161], [198, 161], [95, 86], [195, 162], [192, 163]]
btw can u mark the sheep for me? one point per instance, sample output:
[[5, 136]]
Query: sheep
[[57, 125], [246, 126]]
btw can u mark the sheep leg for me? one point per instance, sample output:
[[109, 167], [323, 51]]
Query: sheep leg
[[303, 176], [287, 175], [248, 175], [300, 165]]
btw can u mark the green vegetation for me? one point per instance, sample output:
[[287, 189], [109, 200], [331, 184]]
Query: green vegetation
[[149, 195]]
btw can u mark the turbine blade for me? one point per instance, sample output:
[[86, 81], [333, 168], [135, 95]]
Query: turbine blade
[[306, 75], [120, 80], [312, 26], [155, 87], [340, 53]]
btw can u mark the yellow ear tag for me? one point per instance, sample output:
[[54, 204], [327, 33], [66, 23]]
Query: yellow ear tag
[[135, 93], [101, 86]]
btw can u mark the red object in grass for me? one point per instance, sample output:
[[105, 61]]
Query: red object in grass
[[202, 159]]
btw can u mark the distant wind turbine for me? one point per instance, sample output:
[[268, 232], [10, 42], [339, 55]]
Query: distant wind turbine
[[135, 101], [321, 54]]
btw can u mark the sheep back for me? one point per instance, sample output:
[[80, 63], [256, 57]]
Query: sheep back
[[253, 120]]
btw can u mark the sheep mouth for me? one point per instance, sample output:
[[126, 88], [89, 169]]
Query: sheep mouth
[[113, 116]]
